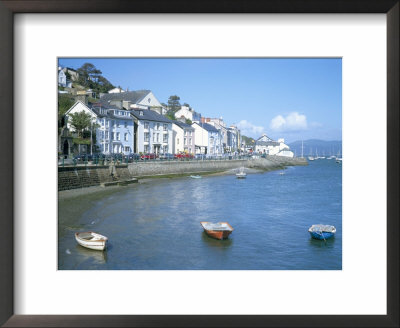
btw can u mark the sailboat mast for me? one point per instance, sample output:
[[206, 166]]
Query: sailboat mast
[[301, 148]]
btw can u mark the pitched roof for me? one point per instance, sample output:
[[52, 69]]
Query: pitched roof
[[267, 143], [183, 125], [133, 96], [110, 113], [150, 115], [207, 127]]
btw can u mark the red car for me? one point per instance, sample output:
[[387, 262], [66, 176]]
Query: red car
[[181, 155], [148, 156]]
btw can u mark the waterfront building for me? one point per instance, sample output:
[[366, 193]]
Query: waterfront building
[[208, 139], [184, 138], [153, 132], [188, 113], [112, 127], [266, 145], [220, 125], [233, 139], [140, 99]]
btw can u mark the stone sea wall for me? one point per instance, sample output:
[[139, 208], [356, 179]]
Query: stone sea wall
[[87, 176]]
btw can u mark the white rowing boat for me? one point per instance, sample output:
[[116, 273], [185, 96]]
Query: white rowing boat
[[92, 240]]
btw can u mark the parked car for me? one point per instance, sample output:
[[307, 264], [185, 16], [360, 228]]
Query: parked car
[[200, 156], [148, 156], [133, 157], [183, 155], [167, 156]]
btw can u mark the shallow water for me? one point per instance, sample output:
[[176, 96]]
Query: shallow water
[[156, 225]]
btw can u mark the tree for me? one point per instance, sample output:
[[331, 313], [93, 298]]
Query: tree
[[174, 104], [188, 121], [170, 115], [87, 73], [91, 77], [80, 121], [186, 104], [65, 102]]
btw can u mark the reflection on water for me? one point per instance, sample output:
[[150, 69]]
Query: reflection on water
[[212, 242], [93, 256], [156, 225]]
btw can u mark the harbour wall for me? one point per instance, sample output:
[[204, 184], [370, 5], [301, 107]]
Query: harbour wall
[[73, 177]]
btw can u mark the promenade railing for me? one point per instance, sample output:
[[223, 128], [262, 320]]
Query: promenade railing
[[88, 160]]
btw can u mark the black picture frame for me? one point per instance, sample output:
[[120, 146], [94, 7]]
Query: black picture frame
[[10, 7]]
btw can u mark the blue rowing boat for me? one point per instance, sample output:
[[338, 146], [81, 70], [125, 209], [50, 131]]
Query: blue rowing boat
[[321, 231]]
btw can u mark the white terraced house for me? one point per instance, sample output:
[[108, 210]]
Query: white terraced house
[[153, 132], [184, 138], [113, 128], [266, 145], [208, 139]]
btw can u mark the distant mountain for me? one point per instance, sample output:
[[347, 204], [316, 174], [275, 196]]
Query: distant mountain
[[315, 146]]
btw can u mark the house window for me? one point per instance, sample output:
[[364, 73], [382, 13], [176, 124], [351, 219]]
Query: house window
[[102, 122], [107, 123], [146, 137], [154, 137], [146, 125], [190, 141], [127, 149], [113, 123], [113, 136], [158, 126], [184, 141], [165, 127], [102, 134], [165, 137], [107, 149], [106, 135], [118, 136], [126, 124], [141, 113], [126, 137], [165, 149], [146, 148], [158, 137], [117, 124]]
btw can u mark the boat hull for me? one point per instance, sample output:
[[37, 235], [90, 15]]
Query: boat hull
[[220, 231], [218, 234], [98, 245], [321, 235]]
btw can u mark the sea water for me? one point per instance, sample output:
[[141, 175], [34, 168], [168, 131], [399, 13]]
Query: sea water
[[155, 225]]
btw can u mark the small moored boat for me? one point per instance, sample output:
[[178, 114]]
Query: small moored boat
[[241, 174], [195, 176], [91, 240], [220, 230], [321, 231]]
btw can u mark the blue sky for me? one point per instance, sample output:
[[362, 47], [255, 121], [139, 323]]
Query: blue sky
[[293, 99]]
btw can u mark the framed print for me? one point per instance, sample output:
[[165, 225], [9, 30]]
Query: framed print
[[46, 266]]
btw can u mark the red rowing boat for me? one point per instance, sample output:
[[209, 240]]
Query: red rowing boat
[[220, 230]]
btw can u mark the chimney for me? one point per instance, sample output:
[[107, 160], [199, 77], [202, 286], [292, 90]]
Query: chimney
[[116, 103], [83, 98], [126, 104]]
